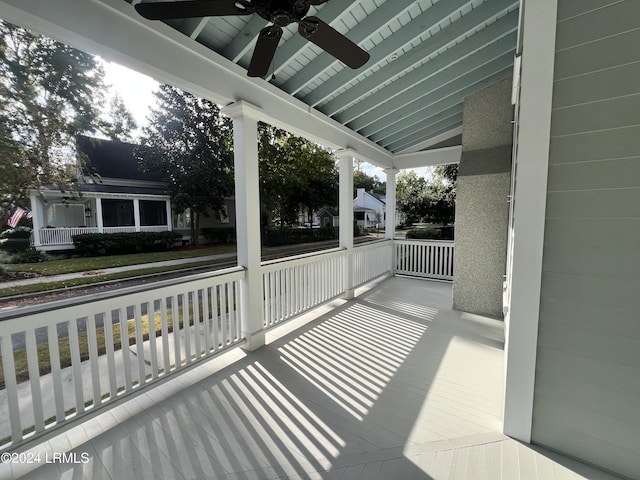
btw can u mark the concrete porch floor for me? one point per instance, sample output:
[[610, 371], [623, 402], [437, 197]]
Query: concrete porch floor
[[392, 385]]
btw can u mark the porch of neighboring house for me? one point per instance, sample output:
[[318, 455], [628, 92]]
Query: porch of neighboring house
[[390, 384], [56, 219]]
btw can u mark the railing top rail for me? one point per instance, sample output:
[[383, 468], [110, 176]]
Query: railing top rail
[[372, 244], [233, 272], [402, 241], [302, 258]]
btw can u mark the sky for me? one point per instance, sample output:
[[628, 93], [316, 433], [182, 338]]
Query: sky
[[137, 89]]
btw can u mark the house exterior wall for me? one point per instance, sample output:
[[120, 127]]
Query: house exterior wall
[[366, 200], [482, 208], [587, 380]]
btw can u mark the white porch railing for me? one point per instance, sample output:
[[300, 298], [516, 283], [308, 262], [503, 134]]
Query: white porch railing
[[371, 260], [62, 236], [171, 325], [424, 258], [294, 285]]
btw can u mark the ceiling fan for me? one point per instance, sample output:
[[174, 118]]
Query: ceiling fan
[[279, 12]]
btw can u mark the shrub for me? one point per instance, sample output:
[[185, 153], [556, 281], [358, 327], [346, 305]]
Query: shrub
[[93, 244], [220, 235], [28, 256], [424, 233], [15, 245], [20, 232], [289, 236]]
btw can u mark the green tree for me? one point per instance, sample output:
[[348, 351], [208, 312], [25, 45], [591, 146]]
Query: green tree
[[294, 173], [371, 184], [49, 92], [189, 140], [410, 196], [119, 122]]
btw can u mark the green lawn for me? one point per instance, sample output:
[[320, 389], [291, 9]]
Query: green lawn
[[84, 264]]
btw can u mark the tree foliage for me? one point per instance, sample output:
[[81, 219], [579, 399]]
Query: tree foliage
[[294, 173], [49, 92], [120, 122], [188, 140], [431, 201], [371, 184]]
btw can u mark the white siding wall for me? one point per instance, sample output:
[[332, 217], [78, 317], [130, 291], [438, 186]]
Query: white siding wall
[[587, 391]]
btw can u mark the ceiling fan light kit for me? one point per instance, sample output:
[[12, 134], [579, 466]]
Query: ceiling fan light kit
[[280, 13]]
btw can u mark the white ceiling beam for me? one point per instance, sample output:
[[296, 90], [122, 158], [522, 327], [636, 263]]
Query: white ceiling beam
[[427, 158], [113, 30], [468, 54], [382, 15]]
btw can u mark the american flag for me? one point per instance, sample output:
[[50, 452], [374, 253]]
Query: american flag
[[19, 212]]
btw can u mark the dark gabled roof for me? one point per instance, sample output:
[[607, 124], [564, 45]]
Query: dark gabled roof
[[113, 159], [330, 210], [379, 197]]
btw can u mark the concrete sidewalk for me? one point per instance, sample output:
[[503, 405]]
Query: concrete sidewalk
[[107, 271]]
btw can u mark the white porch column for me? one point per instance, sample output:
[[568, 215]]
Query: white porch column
[[99, 220], [346, 216], [538, 27], [390, 216], [38, 215], [169, 217], [245, 148], [136, 214]]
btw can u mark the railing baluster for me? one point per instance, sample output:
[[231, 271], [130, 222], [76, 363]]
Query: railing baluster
[[11, 387], [92, 339], [186, 326], [34, 378], [54, 361], [110, 352], [164, 328], [74, 347], [215, 308], [151, 322], [196, 321], [224, 315], [139, 345], [124, 347]]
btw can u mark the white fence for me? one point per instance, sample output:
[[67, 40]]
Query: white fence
[[371, 260], [424, 258], [64, 235], [297, 284], [167, 328]]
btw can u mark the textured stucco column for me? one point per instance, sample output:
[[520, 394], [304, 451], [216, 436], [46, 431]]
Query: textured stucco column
[[482, 201], [245, 154], [346, 216]]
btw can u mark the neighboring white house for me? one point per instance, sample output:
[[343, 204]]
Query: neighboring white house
[[115, 196], [369, 211]]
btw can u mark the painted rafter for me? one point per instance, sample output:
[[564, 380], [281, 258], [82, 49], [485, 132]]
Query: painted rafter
[[380, 17], [458, 53]]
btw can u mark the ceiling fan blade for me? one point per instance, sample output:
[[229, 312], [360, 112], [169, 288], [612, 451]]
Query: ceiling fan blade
[[265, 50], [193, 8], [333, 42]]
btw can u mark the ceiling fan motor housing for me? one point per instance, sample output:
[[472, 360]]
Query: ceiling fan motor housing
[[282, 12]]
